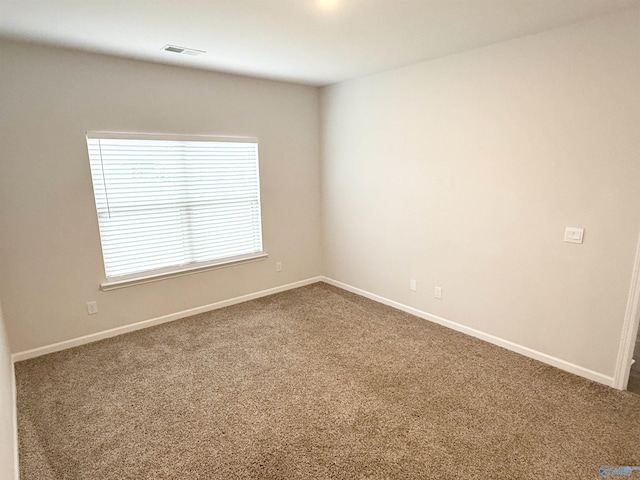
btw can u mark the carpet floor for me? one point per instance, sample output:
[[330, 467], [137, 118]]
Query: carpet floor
[[313, 383]]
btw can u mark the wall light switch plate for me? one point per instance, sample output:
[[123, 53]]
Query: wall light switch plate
[[413, 285], [573, 234]]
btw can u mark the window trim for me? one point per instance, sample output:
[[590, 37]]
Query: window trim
[[97, 135], [115, 283], [137, 279]]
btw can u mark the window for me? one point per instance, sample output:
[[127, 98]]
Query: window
[[170, 204]]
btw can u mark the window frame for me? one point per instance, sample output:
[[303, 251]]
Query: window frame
[[122, 281]]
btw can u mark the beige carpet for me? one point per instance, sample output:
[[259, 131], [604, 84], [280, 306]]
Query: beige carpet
[[314, 383]]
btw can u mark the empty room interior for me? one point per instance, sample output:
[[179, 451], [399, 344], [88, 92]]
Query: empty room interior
[[313, 239]]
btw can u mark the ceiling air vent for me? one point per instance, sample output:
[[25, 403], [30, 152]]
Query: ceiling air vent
[[183, 50]]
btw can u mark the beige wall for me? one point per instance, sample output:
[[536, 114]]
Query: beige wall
[[7, 427], [52, 259], [464, 171]]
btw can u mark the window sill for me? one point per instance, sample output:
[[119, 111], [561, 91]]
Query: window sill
[[139, 280]]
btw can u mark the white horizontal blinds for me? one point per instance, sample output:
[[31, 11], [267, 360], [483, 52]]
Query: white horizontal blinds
[[164, 203]]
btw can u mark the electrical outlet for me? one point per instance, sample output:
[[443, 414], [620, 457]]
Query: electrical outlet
[[278, 266], [92, 308], [437, 292], [413, 285]]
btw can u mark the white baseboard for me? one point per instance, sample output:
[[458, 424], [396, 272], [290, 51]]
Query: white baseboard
[[94, 337], [514, 347]]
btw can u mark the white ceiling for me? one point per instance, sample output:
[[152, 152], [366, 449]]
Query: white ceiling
[[291, 40]]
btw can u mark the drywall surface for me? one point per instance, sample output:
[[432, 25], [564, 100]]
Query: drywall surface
[[50, 240], [7, 409], [463, 173]]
